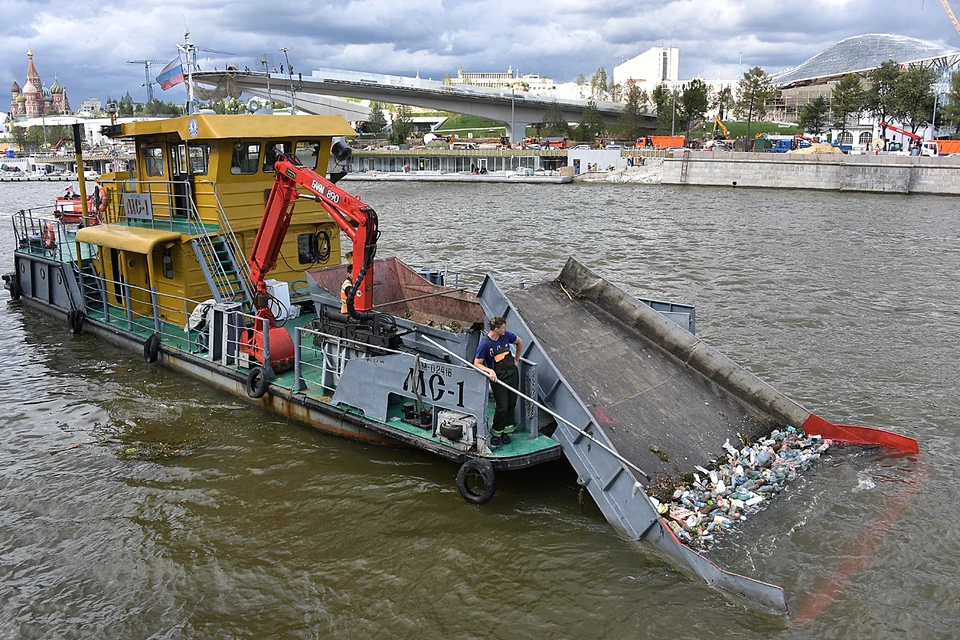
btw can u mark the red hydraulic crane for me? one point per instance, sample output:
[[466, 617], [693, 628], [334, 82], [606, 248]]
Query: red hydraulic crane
[[356, 219]]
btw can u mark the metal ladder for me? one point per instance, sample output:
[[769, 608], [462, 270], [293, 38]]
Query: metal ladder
[[223, 265], [684, 164]]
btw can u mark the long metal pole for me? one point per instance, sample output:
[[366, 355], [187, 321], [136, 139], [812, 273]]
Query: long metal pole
[[673, 120], [556, 415], [513, 121]]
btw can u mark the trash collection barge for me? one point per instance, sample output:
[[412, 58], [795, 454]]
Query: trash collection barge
[[188, 271]]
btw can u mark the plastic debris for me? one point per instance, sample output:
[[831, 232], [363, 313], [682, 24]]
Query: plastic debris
[[740, 482]]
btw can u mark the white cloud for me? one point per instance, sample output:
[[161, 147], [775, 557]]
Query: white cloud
[[557, 38]]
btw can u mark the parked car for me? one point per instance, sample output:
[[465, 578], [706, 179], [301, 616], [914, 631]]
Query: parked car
[[615, 146], [533, 146], [583, 146]]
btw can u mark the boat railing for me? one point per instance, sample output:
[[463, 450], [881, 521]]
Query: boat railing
[[39, 232], [152, 204]]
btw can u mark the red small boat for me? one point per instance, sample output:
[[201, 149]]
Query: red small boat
[[67, 208]]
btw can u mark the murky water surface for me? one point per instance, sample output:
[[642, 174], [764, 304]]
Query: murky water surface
[[137, 503]]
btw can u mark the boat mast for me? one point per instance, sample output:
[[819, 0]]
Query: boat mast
[[191, 59]]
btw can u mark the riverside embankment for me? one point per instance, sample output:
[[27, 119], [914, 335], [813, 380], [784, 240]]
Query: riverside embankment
[[868, 173]]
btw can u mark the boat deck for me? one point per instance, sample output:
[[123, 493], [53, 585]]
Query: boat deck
[[311, 358]]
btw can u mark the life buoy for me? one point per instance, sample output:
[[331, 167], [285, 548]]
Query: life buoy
[[473, 470], [151, 348], [49, 235], [257, 382]]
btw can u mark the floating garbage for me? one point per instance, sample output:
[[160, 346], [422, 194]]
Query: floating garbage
[[711, 500]]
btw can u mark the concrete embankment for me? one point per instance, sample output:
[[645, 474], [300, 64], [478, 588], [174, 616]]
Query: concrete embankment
[[649, 173], [869, 173]]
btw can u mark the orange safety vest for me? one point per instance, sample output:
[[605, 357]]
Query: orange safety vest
[[343, 295]]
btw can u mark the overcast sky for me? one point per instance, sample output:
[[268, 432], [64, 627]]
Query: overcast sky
[[88, 49]]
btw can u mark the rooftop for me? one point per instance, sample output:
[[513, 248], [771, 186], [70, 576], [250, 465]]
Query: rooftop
[[860, 54]]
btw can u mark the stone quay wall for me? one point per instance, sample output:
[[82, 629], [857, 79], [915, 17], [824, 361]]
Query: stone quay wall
[[835, 172]]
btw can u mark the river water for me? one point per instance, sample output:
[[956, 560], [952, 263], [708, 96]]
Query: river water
[[186, 514]]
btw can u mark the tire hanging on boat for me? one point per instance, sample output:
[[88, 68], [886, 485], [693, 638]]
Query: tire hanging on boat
[[75, 320], [472, 469], [257, 382], [15, 291], [151, 348]]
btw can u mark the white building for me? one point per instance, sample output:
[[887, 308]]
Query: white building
[[91, 105], [650, 68], [497, 80]]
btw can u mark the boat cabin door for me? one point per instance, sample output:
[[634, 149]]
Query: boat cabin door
[[180, 180]]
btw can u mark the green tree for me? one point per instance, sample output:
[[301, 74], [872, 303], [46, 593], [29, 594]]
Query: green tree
[[847, 99], [35, 138], [882, 91], [723, 102], [663, 102], [814, 116], [616, 92], [402, 125], [693, 103], [950, 114], [915, 97], [591, 123], [598, 84], [755, 89], [554, 123], [125, 108], [581, 82], [632, 117], [19, 137], [377, 120]]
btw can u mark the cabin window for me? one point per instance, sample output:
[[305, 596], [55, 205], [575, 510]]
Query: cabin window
[[153, 159], [275, 148], [308, 152], [313, 247], [246, 156], [866, 138], [166, 260], [199, 159]]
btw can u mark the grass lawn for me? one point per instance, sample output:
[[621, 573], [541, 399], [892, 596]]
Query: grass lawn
[[739, 129]]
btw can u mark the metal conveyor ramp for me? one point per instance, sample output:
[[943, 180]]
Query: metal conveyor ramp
[[658, 399]]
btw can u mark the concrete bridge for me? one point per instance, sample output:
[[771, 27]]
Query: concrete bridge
[[317, 94]]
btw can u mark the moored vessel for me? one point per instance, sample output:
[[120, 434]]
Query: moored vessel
[[219, 257]]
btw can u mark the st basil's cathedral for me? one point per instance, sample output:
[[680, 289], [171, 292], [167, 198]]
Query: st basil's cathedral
[[34, 99]]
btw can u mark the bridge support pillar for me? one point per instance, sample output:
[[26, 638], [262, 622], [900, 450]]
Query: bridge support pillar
[[517, 130]]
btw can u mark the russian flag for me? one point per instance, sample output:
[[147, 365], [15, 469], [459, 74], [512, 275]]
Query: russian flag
[[171, 75]]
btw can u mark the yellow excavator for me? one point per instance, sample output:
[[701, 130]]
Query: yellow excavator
[[717, 123]]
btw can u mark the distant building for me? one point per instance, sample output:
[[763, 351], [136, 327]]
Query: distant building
[[34, 99], [498, 80], [654, 66], [91, 105], [801, 85]]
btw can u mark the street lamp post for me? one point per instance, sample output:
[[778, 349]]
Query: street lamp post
[[293, 94], [673, 119], [513, 120]]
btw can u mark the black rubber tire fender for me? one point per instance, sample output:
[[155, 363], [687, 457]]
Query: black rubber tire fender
[[15, 291], [452, 432], [257, 382], [151, 348], [75, 320], [476, 467]]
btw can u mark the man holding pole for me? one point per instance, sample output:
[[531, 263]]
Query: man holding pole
[[495, 359]]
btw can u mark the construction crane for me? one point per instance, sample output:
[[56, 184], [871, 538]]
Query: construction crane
[[148, 82], [953, 18]]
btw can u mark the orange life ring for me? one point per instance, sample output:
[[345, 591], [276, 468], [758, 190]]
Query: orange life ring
[[49, 235]]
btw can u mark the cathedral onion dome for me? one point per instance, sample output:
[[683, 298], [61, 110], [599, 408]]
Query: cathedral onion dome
[[30, 89], [21, 98], [15, 88], [46, 94], [56, 88]]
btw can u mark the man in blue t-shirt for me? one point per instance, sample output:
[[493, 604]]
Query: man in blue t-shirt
[[495, 359]]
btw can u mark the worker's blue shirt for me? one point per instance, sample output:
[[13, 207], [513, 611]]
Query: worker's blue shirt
[[491, 350]]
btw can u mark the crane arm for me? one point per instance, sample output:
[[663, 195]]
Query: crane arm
[[953, 18], [884, 126], [355, 218]]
